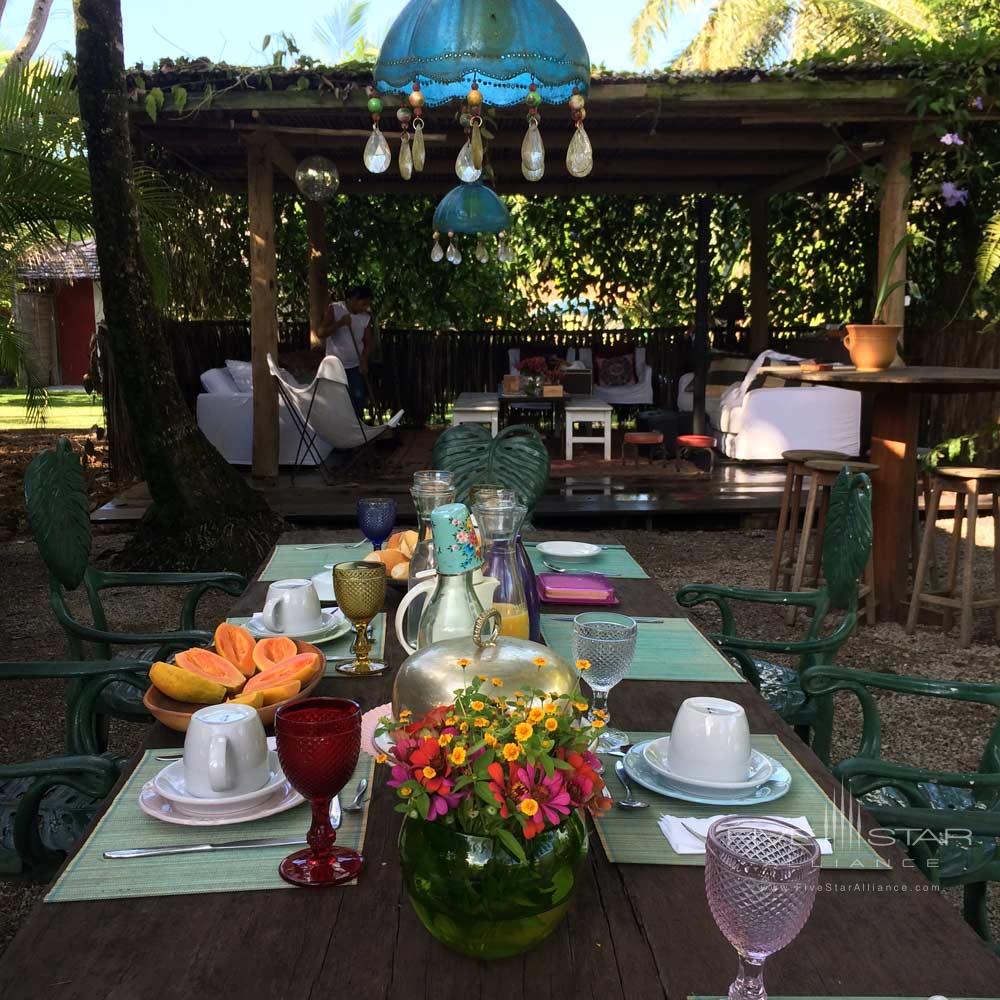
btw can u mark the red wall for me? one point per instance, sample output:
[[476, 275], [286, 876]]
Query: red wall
[[74, 326]]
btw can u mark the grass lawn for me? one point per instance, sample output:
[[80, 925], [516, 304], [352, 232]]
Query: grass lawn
[[66, 411]]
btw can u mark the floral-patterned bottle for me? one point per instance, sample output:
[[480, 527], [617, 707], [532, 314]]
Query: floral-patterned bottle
[[451, 611]]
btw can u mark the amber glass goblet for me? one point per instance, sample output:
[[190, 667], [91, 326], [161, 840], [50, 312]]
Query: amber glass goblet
[[360, 591], [319, 740]]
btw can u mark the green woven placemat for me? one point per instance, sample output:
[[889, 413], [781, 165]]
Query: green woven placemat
[[90, 876], [613, 561], [338, 650], [669, 650], [294, 562], [634, 836]]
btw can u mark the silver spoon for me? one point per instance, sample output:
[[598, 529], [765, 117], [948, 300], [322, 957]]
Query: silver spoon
[[555, 569], [630, 801], [355, 805]]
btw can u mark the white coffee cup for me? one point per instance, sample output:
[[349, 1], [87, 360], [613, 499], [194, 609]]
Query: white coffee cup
[[292, 607], [225, 752], [710, 741]]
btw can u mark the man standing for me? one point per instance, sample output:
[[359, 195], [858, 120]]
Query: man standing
[[346, 328]]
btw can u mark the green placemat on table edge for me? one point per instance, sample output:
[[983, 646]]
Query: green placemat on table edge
[[634, 836], [338, 650], [90, 876], [294, 562], [669, 650], [614, 561]]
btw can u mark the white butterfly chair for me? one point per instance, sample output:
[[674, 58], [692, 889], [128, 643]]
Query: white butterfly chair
[[324, 409]]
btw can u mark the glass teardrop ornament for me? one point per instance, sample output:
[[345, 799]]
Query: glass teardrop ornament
[[580, 155], [476, 142], [378, 156], [533, 153], [464, 166], [437, 252], [419, 153], [454, 254], [533, 175], [482, 254], [405, 161]]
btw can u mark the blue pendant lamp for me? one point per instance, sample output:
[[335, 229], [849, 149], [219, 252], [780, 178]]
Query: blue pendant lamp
[[482, 52], [473, 210]]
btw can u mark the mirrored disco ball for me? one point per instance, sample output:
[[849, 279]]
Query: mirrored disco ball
[[317, 178]]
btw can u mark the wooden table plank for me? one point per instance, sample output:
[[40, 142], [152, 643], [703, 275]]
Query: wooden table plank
[[633, 931]]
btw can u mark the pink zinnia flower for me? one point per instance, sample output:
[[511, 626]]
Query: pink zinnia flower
[[550, 793]]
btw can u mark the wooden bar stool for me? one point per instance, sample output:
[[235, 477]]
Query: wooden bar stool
[[968, 484], [783, 562], [823, 474], [638, 438]]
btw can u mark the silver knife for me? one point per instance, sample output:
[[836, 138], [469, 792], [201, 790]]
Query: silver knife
[[570, 618], [336, 816]]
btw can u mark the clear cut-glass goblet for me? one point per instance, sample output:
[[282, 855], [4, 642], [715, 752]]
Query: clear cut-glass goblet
[[606, 642]]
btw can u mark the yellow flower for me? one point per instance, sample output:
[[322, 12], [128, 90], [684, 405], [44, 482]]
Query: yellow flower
[[451, 721], [600, 713], [464, 727], [444, 739], [481, 678], [480, 722], [405, 714], [535, 715], [463, 662], [580, 706], [406, 792], [518, 694], [597, 724], [540, 662], [429, 772], [550, 708], [583, 664], [478, 706], [547, 744], [551, 724], [381, 758], [496, 682], [523, 731], [511, 751], [489, 739], [458, 755], [528, 806]]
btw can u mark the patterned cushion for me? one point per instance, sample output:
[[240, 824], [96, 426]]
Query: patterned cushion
[[616, 371], [764, 381], [724, 372]]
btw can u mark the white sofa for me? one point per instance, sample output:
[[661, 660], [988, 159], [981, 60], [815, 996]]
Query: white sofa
[[225, 416], [638, 394]]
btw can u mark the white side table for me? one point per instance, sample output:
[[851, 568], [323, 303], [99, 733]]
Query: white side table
[[590, 410], [477, 408]]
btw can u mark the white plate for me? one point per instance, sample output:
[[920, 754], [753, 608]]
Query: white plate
[[334, 624], [569, 551], [323, 582], [171, 786], [655, 754], [152, 804]]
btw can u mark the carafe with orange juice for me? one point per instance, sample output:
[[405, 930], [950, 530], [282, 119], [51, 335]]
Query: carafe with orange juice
[[499, 521]]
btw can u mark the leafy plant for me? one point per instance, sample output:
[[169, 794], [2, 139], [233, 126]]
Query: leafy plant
[[988, 258], [887, 287]]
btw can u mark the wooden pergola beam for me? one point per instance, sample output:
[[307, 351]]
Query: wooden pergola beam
[[849, 162], [893, 215]]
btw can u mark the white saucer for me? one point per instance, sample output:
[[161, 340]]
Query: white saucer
[[569, 551], [655, 754], [171, 786], [333, 624], [283, 798]]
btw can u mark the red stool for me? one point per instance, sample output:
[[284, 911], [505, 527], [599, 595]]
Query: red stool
[[696, 442], [637, 438]]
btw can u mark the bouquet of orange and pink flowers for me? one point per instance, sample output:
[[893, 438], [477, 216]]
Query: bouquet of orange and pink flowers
[[497, 766]]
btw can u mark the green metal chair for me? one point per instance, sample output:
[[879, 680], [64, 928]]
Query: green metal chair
[[56, 497], [948, 821], [46, 805], [847, 543]]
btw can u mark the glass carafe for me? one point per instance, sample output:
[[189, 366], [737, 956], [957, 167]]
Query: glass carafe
[[499, 521], [428, 494]]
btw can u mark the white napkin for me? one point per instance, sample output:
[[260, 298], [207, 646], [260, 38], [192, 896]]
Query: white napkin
[[685, 842]]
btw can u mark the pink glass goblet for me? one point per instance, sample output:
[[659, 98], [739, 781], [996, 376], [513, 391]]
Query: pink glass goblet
[[319, 740], [760, 878]]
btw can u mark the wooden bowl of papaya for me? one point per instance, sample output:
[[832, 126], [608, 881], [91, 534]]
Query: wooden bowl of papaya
[[269, 688]]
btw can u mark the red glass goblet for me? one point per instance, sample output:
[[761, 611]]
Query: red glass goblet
[[319, 740]]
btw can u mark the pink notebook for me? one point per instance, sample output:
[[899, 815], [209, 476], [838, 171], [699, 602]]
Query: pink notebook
[[576, 588]]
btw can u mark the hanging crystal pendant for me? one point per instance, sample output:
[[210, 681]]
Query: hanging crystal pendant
[[377, 156], [437, 251], [464, 166], [533, 153], [419, 153], [454, 254], [476, 142], [482, 254], [580, 155], [405, 159], [504, 253]]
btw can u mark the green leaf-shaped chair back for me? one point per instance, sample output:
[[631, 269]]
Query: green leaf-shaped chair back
[[515, 459], [847, 540], [55, 493]]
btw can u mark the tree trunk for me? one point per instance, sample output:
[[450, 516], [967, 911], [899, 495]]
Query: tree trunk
[[204, 515], [25, 48]]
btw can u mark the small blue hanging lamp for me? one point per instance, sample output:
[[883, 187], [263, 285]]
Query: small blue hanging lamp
[[473, 210], [494, 52]]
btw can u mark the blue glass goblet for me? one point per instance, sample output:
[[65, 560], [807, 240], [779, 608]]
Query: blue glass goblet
[[377, 518]]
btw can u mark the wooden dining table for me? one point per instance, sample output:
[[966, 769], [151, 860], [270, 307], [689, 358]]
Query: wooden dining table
[[896, 396], [633, 931]]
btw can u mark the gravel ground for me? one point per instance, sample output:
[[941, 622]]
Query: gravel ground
[[950, 736]]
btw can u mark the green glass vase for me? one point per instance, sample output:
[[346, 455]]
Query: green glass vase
[[478, 899]]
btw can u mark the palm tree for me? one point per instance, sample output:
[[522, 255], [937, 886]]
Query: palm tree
[[758, 32], [343, 32]]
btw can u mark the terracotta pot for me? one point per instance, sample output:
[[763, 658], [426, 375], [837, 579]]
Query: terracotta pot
[[873, 348]]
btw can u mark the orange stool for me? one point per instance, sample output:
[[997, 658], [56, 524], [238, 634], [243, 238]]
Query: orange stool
[[697, 442], [639, 438]]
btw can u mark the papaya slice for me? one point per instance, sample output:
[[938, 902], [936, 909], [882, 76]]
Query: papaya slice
[[184, 685], [235, 643], [212, 667], [256, 699], [300, 667], [270, 652], [282, 693]]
